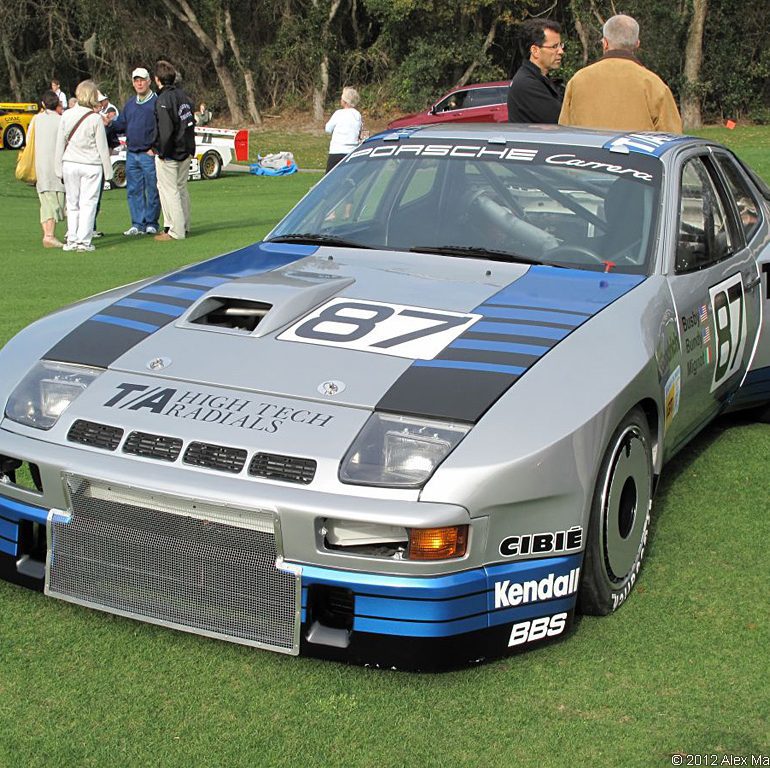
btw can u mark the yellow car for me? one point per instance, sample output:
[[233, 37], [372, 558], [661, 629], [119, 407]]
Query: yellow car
[[15, 118]]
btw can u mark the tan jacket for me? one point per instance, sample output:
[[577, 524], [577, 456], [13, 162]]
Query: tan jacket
[[618, 93]]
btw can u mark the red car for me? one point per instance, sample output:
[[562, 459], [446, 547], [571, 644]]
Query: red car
[[479, 103]]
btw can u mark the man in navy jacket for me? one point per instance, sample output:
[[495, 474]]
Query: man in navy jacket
[[137, 121]]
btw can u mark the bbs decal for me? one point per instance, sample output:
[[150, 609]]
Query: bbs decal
[[373, 326], [728, 304], [537, 629]]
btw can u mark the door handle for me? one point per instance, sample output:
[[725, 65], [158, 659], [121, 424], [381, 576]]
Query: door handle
[[752, 284]]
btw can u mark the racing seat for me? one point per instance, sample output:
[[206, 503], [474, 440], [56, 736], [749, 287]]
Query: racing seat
[[625, 211]]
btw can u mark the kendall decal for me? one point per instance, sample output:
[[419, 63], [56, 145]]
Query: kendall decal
[[509, 594], [239, 412]]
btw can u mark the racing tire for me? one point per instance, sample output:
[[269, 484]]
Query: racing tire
[[620, 518], [14, 137], [119, 175], [211, 165]]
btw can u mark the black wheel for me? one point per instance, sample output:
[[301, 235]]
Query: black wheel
[[119, 174], [211, 165], [620, 518], [14, 137]]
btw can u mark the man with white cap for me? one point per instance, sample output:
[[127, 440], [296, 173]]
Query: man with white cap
[[107, 108], [137, 122]]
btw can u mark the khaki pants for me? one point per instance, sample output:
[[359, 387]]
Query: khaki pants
[[174, 198]]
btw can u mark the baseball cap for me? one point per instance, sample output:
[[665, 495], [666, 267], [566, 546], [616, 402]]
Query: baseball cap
[[100, 96], [140, 72]]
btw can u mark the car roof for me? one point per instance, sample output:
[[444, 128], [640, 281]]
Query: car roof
[[647, 142]]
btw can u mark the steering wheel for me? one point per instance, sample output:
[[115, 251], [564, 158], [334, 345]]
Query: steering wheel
[[580, 252]]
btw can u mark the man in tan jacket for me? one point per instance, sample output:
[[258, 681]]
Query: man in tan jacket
[[617, 92]]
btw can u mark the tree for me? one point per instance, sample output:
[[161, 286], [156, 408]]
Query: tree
[[693, 59]]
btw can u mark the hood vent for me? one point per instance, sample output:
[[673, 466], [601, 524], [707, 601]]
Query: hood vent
[[220, 457], [95, 435], [231, 314], [292, 469], [153, 446]]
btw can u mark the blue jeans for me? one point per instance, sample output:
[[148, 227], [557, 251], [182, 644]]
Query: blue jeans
[[142, 190]]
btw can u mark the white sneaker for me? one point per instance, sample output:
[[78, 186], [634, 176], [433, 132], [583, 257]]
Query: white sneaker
[[69, 247], [151, 231], [131, 231], [85, 248]]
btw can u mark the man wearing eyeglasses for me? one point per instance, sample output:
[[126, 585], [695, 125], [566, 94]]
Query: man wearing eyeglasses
[[618, 92], [533, 97]]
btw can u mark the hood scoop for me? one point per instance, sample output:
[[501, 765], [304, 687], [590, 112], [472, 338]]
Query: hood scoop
[[262, 304]]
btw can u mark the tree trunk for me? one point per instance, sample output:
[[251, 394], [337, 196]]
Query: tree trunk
[[321, 89], [13, 75], [466, 76], [582, 32], [215, 48], [248, 78], [693, 58]]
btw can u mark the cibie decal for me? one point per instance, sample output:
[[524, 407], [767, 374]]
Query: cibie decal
[[542, 543], [728, 305], [619, 170], [373, 326], [537, 629], [509, 594]]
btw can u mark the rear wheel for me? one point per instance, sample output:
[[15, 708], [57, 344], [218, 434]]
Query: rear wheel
[[620, 517], [211, 165], [13, 138], [119, 174]]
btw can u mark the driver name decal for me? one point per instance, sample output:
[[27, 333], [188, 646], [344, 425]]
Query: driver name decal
[[241, 412]]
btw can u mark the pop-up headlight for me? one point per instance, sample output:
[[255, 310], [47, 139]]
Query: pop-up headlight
[[46, 392], [399, 451]]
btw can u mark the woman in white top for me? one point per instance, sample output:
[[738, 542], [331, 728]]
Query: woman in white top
[[345, 127], [82, 155]]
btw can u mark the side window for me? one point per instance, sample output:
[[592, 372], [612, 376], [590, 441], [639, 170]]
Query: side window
[[703, 238], [483, 97], [454, 101], [748, 208]]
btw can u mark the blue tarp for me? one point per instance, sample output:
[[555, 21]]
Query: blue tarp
[[258, 170]]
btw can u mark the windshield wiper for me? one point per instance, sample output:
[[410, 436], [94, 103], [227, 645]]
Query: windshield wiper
[[472, 252], [316, 238]]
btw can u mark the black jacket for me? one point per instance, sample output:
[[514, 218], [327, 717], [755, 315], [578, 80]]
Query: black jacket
[[176, 124], [533, 98]]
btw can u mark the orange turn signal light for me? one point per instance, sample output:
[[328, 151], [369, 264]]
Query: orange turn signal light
[[437, 543]]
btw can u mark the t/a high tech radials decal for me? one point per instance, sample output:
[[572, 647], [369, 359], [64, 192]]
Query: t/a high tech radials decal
[[418, 333]]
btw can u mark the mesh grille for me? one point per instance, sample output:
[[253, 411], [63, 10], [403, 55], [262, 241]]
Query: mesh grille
[[173, 561], [153, 446], [290, 468], [95, 435], [219, 457]]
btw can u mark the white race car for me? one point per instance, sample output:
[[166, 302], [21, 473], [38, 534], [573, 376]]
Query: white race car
[[214, 149]]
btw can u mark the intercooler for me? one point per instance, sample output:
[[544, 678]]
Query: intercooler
[[202, 568]]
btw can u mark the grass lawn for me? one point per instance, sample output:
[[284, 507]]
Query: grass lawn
[[681, 668]]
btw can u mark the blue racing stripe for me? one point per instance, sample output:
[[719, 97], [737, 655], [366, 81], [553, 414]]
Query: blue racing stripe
[[124, 323], [18, 510], [9, 530], [466, 365], [172, 290], [520, 329], [210, 281], [152, 306], [499, 346], [8, 547]]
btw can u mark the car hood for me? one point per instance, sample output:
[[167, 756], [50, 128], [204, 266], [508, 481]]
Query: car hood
[[169, 352]]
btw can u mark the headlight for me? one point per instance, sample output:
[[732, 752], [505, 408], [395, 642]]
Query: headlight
[[399, 451], [46, 391]]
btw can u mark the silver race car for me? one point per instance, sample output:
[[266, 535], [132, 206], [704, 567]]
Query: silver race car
[[419, 425]]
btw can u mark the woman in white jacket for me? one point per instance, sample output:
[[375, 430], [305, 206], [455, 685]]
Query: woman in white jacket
[[345, 127], [82, 160]]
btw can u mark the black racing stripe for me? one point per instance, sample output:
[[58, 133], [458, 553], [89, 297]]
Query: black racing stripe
[[488, 356], [536, 341], [190, 286], [544, 308], [140, 315], [445, 394], [94, 343], [539, 323], [143, 296]]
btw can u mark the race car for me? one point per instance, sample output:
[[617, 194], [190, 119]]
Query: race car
[[421, 424], [15, 118], [214, 149]]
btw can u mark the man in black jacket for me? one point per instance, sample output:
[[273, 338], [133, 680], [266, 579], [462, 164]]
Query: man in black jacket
[[175, 147], [533, 97]]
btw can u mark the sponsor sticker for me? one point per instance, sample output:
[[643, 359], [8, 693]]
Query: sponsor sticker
[[672, 392], [509, 594], [537, 629]]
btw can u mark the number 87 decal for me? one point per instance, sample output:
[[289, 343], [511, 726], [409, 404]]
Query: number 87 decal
[[728, 305]]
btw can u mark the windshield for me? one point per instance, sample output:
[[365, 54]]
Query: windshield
[[566, 206]]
